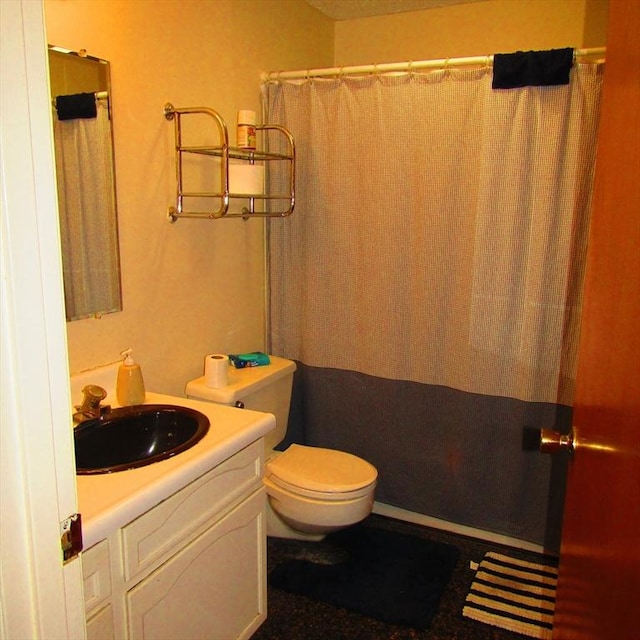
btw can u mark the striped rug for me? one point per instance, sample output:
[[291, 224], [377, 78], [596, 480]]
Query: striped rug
[[514, 595]]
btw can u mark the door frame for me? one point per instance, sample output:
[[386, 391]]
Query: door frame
[[40, 597]]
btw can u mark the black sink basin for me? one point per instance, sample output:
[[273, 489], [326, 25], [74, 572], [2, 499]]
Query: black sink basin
[[131, 437]]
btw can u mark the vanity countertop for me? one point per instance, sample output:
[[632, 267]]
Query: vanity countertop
[[109, 501]]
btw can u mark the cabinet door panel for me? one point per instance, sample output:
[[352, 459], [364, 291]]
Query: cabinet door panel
[[215, 588], [100, 625], [154, 536], [96, 574]]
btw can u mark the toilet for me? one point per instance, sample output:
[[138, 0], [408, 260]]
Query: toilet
[[311, 490]]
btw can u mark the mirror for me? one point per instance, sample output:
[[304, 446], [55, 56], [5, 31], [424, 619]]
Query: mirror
[[83, 140]]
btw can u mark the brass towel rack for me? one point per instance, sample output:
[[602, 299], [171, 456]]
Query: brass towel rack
[[275, 205]]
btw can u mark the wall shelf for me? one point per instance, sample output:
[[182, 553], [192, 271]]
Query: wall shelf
[[275, 204]]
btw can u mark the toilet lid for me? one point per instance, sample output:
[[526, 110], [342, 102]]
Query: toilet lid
[[321, 470]]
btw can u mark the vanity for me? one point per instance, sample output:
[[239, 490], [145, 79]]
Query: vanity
[[177, 549]]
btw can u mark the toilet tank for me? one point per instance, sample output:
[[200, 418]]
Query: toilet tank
[[264, 388]]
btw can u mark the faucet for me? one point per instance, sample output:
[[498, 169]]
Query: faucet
[[91, 407]]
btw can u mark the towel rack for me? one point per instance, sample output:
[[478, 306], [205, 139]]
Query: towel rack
[[276, 205]]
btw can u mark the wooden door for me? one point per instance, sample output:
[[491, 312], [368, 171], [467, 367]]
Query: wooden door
[[599, 581]]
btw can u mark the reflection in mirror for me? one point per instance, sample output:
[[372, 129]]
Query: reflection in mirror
[[80, 93]]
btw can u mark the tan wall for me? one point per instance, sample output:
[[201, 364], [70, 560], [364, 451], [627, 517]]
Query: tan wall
[[475, 29], [595, 23], [70, 74], [195, 286]]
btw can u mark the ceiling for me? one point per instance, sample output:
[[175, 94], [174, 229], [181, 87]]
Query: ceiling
[[349, 9]]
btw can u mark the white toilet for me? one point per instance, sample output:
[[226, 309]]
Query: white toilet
[[312, 491]]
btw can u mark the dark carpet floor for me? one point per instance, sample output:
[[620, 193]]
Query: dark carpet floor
[[294, 617]]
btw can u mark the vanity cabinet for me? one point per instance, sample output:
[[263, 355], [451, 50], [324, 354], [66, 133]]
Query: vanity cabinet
[[194, 566]]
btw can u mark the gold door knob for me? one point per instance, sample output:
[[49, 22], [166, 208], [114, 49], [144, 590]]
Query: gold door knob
[[553, 441]]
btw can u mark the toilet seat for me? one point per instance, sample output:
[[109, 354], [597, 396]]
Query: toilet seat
[[323, 474]]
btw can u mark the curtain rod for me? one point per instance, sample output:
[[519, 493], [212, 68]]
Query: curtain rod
[[401, 66]]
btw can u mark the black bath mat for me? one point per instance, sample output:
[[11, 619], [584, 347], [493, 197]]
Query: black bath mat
[[392, 577]]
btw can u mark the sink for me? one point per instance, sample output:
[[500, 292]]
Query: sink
[[130, 437]]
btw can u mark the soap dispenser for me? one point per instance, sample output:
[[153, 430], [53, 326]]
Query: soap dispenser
[[129, 384]]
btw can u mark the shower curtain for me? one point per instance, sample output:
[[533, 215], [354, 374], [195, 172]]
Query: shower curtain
[[86, 203], [429, 282]]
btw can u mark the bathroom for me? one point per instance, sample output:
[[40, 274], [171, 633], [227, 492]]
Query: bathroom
[[208, 277]]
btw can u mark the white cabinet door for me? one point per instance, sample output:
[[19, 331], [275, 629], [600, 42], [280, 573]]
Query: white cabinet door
[[157, 534], [214, 588], [100, 625], [96, 574]]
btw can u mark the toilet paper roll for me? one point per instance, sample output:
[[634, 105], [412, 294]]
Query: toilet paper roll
[[246, 178], [216, 370]]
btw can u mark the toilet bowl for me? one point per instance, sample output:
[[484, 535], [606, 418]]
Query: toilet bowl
[[311, 490], [315, 491]]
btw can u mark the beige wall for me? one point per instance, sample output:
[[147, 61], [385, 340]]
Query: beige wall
[[595, 23], [196, 286], [475, 29]]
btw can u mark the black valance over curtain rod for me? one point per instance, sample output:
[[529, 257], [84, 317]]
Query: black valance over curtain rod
[[404, 67]]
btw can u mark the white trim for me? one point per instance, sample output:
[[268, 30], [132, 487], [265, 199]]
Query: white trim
[[444, 525], [39, 596]]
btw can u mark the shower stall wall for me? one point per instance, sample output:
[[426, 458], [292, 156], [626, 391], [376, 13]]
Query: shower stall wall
[[429, 285]]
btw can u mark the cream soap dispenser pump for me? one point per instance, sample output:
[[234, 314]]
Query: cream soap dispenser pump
[[129, 383]]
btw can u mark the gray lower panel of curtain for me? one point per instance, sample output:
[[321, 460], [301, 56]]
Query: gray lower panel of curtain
[[462, 457]]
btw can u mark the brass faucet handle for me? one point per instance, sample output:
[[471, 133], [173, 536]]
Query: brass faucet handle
[[93, 396], [95, 392], [91, 407]]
